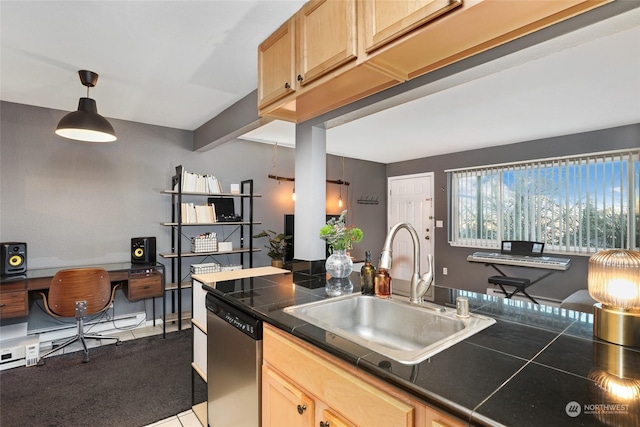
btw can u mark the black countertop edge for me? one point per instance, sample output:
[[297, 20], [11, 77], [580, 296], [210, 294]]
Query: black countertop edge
[[419, 393], [538, 332], [432, 399]]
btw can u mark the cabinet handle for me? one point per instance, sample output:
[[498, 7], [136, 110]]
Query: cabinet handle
[[324, 424], [287, 86], [300, 78], [302, 408]]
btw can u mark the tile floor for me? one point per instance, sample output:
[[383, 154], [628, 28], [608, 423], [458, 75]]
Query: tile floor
[[184, 419]]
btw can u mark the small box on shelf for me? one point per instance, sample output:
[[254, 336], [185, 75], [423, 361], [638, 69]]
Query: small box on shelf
[[213, 267], [225, 246], [204, 243]]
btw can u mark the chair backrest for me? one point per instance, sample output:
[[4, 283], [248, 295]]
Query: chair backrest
[[79, 284]]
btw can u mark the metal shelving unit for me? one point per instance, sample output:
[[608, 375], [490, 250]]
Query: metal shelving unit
[[246, 248]]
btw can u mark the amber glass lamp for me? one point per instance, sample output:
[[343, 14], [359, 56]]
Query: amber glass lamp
[[614, 281]]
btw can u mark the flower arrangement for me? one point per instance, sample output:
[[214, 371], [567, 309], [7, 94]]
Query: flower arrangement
[[338, 235], [278, 243]]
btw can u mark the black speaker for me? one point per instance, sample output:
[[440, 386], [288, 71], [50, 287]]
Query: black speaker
[[14, 258], [143, 250]]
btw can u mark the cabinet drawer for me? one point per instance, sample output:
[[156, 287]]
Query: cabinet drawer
[[13, 304], [358, 401], [144, 287]]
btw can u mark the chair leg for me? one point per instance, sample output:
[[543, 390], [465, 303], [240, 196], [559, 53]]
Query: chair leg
[[56, 348], [82, 337]]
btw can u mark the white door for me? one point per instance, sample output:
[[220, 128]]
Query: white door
[[411, 200]]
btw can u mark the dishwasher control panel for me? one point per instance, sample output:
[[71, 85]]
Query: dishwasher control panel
[[238, 323], [235, 317]]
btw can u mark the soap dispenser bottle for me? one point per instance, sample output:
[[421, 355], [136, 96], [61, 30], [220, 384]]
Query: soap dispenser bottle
[[383, 283], [367, 276]]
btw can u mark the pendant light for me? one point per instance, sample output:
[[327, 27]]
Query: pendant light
[[342, 180], [86, 124]]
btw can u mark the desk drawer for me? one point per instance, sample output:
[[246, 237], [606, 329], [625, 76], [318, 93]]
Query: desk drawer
[[13, 304], [142, 287]]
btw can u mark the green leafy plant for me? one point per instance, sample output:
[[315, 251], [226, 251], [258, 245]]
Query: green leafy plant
[[278, 243], [338, 235]]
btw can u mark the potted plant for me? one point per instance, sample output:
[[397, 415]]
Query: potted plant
[[278, 243], [340, 237]]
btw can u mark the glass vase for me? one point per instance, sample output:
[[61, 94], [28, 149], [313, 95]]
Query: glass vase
[[337, 286], [339, 264]]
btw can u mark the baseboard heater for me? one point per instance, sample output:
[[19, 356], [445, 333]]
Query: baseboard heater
[[60, 332], [495, 292]]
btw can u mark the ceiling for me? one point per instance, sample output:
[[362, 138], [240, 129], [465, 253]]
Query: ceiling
[[180, 63]]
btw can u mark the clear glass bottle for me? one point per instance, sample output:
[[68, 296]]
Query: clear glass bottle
[[383, 283], [367, 276]]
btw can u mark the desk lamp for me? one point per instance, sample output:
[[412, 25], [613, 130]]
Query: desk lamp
[[616, 382], [614, 281]]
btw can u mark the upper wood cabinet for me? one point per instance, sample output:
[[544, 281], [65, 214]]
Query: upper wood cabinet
[[319, 43], [386, 20], [476, 26], [327, 37], [276, 64], [334, 52]]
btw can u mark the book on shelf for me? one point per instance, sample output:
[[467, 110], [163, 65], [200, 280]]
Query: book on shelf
[[197, 214], [196, 183]]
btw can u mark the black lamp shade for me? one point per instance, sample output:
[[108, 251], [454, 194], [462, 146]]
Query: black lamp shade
[[86, 124]]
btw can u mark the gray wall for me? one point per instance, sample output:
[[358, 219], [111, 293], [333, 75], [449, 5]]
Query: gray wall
[[79, 204], [472, 276]]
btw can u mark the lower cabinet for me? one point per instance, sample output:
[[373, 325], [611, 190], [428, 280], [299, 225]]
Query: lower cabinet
[[303, 386], [144, 286], [284, 404], [13, 301]]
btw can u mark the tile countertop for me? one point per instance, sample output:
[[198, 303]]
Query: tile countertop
[[534, 367]]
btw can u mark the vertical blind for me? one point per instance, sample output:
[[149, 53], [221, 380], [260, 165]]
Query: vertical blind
[[579, 204]]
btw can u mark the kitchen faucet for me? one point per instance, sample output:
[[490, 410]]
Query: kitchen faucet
[[419, 286]]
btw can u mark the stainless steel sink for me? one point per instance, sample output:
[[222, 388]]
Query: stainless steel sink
[[407, 333]]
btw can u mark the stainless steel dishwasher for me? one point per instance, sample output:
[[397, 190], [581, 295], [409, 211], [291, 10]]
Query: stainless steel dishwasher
[[234, 360]]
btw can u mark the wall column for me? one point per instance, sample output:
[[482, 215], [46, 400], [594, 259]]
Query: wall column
[[311, 188]]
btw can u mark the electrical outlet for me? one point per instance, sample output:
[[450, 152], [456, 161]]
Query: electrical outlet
[[445, 271]]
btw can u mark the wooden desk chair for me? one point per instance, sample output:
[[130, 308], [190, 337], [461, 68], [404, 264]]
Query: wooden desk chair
[[79, 292]]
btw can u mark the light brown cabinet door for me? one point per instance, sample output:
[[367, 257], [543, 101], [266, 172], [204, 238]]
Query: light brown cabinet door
[[386, 20], [330, 419], [327, 37], [283, 404], [276, 65]]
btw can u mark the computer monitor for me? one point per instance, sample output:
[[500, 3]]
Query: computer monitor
[[225, 208]]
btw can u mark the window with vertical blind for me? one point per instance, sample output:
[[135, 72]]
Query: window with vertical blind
[[577, 204]]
